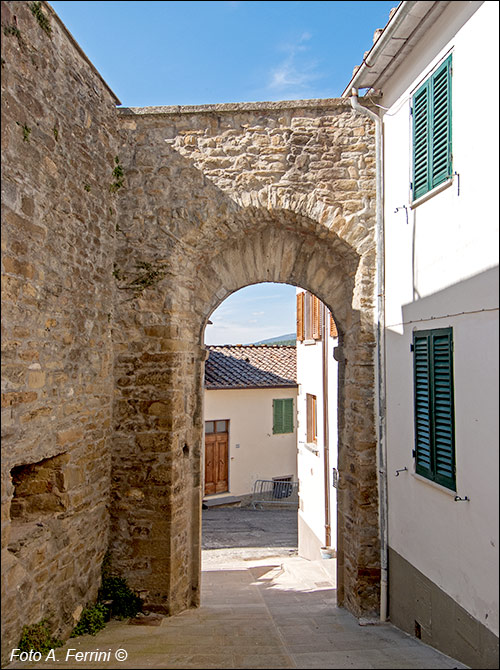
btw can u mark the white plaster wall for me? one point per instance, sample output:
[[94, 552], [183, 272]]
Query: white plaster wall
[[254, 452], [441, 271], [311, 457]]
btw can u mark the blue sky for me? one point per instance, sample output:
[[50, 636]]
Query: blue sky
[[252, 314], [194, 53]]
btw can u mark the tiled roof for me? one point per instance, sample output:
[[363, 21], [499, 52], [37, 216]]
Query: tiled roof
[[250, 366]]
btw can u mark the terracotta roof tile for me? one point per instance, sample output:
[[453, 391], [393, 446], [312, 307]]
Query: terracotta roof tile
[[250, 366]]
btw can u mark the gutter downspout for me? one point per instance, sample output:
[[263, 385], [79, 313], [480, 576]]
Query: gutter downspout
[[381, 382], [326, 436]]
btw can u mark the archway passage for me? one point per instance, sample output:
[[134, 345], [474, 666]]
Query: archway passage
[[218, 200]]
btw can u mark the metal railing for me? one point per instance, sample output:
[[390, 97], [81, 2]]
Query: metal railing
[[275, 492]]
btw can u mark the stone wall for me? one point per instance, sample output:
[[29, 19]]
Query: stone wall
[[217, 198], [58, 228], [108, 285]]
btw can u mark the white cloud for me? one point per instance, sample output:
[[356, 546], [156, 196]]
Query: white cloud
[[296, 70]]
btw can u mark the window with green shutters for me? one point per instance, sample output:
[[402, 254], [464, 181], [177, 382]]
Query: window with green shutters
[[283, 416], [431, 111], [434, 406]]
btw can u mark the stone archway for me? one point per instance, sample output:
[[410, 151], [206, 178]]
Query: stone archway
[[218, 199]]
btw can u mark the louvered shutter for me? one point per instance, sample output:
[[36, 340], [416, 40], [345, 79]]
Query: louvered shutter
[[333, 328], [432, 152], [421, 113], [300, 317], [277, 416], [288, 415], [283, 416], [311, 418], [434, 411], [316, 315], [444, 450], [440, 148], [423, 418]]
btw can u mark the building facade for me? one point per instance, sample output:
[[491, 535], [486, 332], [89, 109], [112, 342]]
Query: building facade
[[250, 424], [440, 213], [317, 453]]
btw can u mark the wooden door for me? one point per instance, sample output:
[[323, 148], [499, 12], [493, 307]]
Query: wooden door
[[216, 457]]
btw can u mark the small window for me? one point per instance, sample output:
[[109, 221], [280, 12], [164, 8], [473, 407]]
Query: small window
[[432, 151], [312, 420], [282, 416], [309, 316], [221, 426], [434, 406]]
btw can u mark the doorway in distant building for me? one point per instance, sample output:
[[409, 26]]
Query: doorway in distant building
[[216, 456]]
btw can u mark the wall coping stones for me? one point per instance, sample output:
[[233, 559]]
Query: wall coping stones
[[232, 107]]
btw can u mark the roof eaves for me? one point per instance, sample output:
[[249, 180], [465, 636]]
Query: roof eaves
[[395, 41], [244, 388]]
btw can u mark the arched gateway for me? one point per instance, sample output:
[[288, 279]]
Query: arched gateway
[[217, 198]]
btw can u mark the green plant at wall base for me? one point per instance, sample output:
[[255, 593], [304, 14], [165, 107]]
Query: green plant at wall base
[[92, 620], [87, 187], [125, 603], [118, 175], [43, 19], [38, 638], [56, 133]]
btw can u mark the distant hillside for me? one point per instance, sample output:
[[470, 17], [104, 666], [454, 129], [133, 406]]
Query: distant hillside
[[288, 339]]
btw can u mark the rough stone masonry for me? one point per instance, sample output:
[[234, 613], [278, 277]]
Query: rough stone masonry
[[123, 229]]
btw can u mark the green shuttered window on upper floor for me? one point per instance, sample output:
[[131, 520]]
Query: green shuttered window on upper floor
[[434, 406], [431, 112], [283, 416]]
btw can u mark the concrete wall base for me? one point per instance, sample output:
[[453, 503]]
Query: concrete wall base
[[417, 604]]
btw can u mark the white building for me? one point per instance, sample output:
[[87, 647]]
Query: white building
[[250, 425], [316, 426], [433, 74]]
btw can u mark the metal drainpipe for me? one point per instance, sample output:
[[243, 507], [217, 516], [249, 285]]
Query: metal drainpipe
[[381, 409], [326, 437]]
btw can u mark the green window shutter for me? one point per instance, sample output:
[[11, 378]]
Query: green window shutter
[[434, 411], [421, 126], [283, 416], [277, 416], [423, 418], [441, 125], [444, 438], [288, 415], [431, 109]]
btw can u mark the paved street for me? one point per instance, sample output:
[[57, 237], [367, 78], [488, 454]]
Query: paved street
[[262, 607]]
